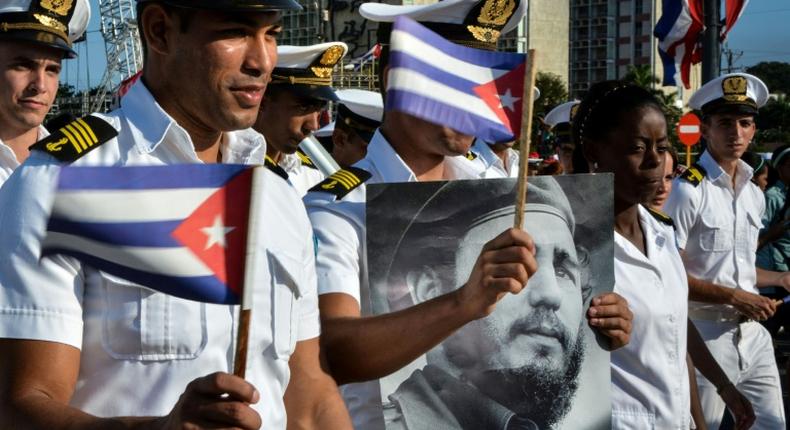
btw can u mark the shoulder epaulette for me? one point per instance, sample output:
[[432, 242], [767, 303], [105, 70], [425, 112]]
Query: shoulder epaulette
[[343, 181], [694, 174], [661, 217], [306, 161], [471, 155], [75, 139], [274, 167]]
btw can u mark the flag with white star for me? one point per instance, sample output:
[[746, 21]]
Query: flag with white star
[[181, 230], [472, 91]]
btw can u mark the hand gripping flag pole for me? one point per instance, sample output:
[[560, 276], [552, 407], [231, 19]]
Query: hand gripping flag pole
[[524, 138], [253, 239]]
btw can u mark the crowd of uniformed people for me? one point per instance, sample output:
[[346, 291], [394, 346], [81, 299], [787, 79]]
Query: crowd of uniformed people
[[82, 349]]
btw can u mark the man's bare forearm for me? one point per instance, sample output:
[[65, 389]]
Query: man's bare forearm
[[366, 348], [312, 400], [708, 292], [39, 412], [768, 278]]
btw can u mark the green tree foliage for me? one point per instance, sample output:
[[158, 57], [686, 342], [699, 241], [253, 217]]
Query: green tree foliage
[[553, 92], [775, 74], [773, 123]]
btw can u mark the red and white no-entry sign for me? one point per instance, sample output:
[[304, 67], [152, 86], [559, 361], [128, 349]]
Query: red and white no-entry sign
[[688, 129]]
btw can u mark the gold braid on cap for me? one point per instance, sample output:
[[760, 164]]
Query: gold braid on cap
[[5, 27], [304, 80], [319, 72]]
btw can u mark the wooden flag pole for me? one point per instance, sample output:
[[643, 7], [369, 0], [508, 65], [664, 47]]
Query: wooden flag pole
[[525, 138], [253, 230]]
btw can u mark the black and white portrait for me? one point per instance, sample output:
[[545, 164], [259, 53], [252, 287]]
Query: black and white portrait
[[534, 363]]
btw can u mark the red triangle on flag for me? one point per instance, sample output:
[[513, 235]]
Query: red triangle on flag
[[216, 232], [504, 96]]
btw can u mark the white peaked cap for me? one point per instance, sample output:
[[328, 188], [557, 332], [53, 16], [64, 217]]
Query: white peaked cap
[[368, 104], [562, 113], [55, 23], [734, 92]]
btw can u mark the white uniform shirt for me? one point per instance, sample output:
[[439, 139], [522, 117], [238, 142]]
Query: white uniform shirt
[[300, 176], [141, 348], [341, 253], [717, 226], [8, 161], [491, 164], [650, 386]]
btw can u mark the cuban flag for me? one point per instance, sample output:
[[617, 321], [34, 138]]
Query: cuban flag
[[181, 230], [472, 91], [734, 10], [678, 32]]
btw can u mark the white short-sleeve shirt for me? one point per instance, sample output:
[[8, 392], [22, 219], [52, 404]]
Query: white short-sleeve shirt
[[341, 253], [8, 161], [650, 386], [139, 348], [717, 227], [491, 165]]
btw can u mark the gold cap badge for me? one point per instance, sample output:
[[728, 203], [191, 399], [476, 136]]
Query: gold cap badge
[[492, 18], [734, 89]]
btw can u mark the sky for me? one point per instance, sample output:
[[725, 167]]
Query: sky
[[762, 34]]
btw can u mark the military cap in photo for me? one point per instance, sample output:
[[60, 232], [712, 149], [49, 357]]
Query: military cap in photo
[[307, 70], [53, 23], [560, 118], [232, 5], [733, 93], [563, 113], [361, 111], [474, 23]]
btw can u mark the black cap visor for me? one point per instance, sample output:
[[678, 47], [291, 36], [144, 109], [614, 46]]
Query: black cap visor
[[320, 92], [23, 26], [747, 107]]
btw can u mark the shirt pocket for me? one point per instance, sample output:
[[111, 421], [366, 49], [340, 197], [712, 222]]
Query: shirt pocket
[[633, 420], [144, 325], [287, 280], [716, 235]]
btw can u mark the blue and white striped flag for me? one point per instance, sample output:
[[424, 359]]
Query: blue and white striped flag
[[472, 91], [181, 230]]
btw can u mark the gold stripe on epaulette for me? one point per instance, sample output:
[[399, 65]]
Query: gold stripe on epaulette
[[81, 134], [89, 130], [89, 136], [354, 180], [77, 135], [72, 140]]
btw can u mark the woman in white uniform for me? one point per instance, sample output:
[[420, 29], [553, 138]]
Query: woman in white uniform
[[623, 130]]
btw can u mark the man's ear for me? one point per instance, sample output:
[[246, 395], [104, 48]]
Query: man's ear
[[424, 284], [339, 138], [157, 25]]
